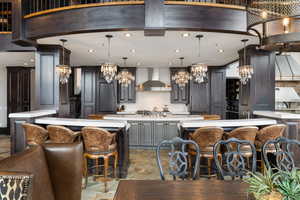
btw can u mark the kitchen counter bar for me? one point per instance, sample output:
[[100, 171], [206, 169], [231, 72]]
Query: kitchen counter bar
[[154, 118]]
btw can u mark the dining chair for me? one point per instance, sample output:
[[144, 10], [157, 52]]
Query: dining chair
[[284, 153], [178, 158], [265, 134], [34, 134], [206, 138], [235, 159], [61, 134]]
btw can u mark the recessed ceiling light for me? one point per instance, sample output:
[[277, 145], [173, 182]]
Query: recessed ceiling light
[[185, 34], [138, 64], [132, 50], [127, 34], [177, 50], [221, 51], [25, 64], [31, 60], [91, 50]]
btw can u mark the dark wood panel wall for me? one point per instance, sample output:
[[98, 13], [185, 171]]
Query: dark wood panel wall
[[259, 92], [50, 94], [154, 17]]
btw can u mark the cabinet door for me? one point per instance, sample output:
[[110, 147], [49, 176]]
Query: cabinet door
[[171, 130], [88, 94], [159, 132], [178, 95], [127, 94], [146, 133], [199, 99], [106, 97], [134, 133], [218, 92]]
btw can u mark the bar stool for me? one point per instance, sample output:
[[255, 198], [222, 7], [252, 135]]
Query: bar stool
[[35, 135], [61, 134], [206, 138], [265, 134], [99, 144], [244, 133]]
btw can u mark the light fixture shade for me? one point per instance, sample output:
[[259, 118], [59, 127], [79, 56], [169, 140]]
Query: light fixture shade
[[125, 78], [199, 72], [64, 73], [109, 71], [181, 78], [246, 72]]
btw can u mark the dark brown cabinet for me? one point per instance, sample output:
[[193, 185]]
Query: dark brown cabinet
[[97, 96], [128, 94], [18, 89], [209, 97], [178, 94]]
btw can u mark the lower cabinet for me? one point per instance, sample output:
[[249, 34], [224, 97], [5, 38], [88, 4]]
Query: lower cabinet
[[151, 133]]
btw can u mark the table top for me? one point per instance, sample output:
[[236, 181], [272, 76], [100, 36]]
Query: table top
[[181, 190], [169, 117]]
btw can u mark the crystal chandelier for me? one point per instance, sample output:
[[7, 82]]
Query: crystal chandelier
[[181, 78], [199, 70], [63, 69], [109, 69], [125, 77], [245, 71]]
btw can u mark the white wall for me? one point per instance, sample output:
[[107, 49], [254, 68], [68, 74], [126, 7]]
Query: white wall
[[148, 100], [3, 98]]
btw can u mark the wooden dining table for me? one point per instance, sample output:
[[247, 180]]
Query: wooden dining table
[[181, 190]]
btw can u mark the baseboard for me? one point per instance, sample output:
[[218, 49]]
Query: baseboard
[[4, 131]]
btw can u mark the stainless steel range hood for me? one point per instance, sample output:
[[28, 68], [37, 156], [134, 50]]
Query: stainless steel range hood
[[287, 68], [154, 84]]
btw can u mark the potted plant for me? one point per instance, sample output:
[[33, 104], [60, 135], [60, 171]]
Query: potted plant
[[280, 185]]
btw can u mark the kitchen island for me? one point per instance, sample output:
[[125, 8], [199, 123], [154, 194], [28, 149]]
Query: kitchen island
[[146, 132]]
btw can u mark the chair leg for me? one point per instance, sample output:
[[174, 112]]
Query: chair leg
[[209, 166], [190, 162], [85, 172], [116, 164], [97, 166], [106, 161], [248, 162]]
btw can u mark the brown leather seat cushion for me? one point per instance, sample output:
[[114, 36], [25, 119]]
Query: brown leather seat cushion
[[32, 161]]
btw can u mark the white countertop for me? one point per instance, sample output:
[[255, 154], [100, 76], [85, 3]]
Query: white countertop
[[82, 122], [277, 115], [32, 114], [228, 123], [153, 118]]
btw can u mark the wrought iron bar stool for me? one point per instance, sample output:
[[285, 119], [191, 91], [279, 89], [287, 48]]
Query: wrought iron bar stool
[[236, 162], [61, 134], [283, 149], [178, 161], [206, 138], [265, 134], [99, 144], [34, 134], [245, 133]]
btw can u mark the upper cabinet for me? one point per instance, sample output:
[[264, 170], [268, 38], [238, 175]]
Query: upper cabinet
[[178, 94], [127, 94]]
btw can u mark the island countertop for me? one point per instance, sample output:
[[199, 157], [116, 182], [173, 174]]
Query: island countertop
[[154, 117], [277, 115], [82, 122], [32, 114], [229, 123]]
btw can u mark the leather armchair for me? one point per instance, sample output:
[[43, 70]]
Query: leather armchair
[[56, 170]]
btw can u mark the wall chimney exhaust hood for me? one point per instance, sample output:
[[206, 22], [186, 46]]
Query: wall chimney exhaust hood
[[287, 68], [154, 84]]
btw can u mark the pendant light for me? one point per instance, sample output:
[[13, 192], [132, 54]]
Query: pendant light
[[182, 77], [245, 71], [125, 77], [199, 70], [64, 69], [109, 69]]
